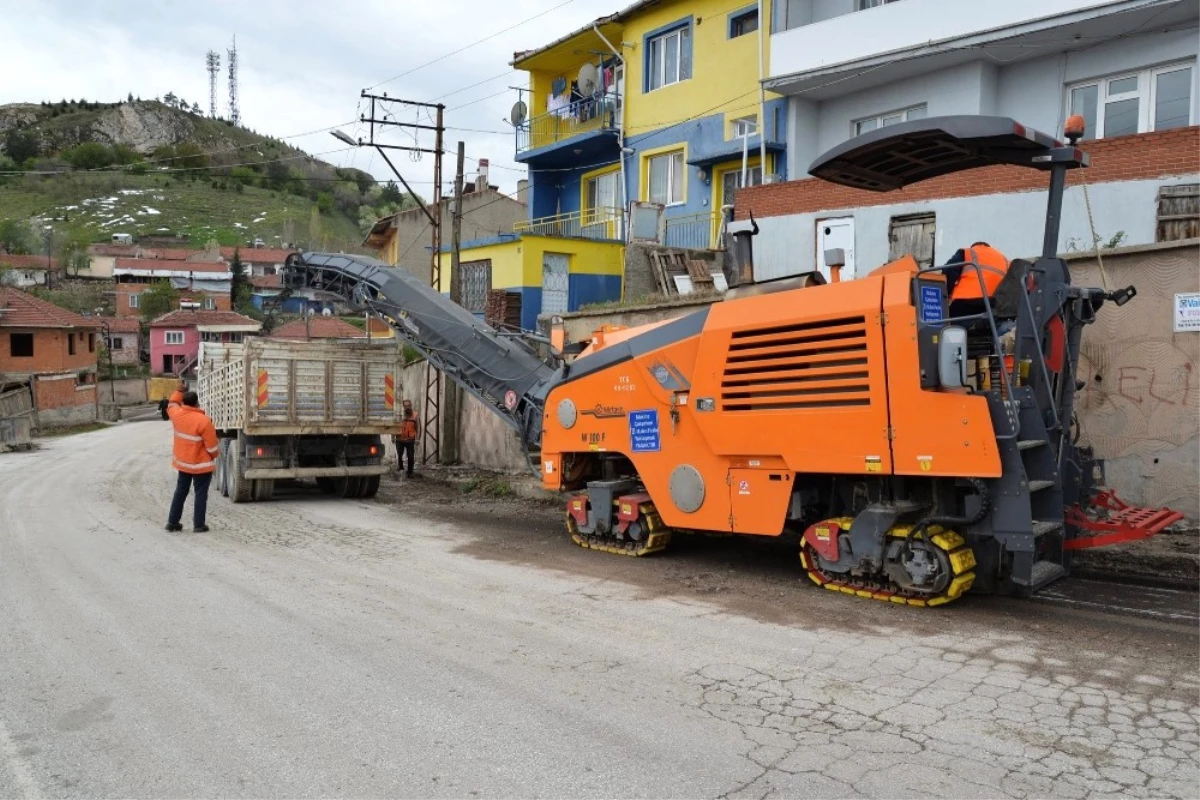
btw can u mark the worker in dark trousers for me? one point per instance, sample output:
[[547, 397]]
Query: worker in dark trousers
[[406, 442], [195, 457]]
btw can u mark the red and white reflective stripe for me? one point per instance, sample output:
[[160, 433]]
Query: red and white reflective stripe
[[189, 436], [201, 465]]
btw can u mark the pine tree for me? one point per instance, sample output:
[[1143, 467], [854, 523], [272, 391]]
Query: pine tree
[[239, 286]]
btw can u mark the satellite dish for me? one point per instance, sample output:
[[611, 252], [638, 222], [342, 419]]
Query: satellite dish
[[519, 112], [588, 80]]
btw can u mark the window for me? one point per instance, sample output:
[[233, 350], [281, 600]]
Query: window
[[863, 5], [666, 178], [70, 344], [476, 283], [236, 338], [743, 126], [115, 343], [133, 301], [1139, 102], [669, 58], [174, 337], [91, 342], [20, 345], [210, 303], [600, 202], [732, 181], [861, 126], [742, 23]]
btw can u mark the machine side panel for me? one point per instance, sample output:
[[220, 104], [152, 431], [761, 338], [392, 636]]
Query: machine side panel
[[937, 433], [800, 375]]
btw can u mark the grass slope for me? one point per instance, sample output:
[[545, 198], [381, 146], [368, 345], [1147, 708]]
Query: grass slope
[[100, 204]]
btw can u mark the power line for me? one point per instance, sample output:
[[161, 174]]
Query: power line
[[472, 44]]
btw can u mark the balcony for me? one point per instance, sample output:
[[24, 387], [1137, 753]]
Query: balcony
[[811, 47], [582, 124], [601, 225], [693, 231]]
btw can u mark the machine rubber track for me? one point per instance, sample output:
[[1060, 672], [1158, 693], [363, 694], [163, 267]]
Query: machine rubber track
[[958, 556], [657, 536]]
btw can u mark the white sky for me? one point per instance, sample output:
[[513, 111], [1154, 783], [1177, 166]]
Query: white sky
[[301, 65]]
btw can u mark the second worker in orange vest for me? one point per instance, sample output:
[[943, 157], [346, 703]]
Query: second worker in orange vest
[[992, 266]]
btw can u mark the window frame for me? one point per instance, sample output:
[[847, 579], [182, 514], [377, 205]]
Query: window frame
[[735, 123], [115, 343], [591, 208], [656, 45], [670, 155], [134, 299], [167, 338], [12, 342], [879, 118], [91, 342], [736, 18], [1146, 94], [70, 343]]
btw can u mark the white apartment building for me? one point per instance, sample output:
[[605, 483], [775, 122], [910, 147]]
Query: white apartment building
[[849, 66]]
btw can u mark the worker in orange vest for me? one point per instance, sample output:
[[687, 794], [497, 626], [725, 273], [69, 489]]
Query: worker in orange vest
[[406, 442], [992, 267], [195, 457]]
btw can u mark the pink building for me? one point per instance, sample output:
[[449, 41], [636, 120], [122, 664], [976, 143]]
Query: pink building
[[175, 337]]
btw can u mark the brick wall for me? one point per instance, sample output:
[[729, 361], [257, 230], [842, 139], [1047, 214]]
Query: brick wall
[[50, 351], [124, 290], [1125, 158], [61, 401]]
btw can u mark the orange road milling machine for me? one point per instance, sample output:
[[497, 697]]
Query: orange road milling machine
[[918, 446]]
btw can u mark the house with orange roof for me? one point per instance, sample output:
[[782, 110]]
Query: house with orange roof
[[55, 350]]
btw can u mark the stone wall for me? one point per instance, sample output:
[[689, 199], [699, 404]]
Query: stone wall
[[638, 281]]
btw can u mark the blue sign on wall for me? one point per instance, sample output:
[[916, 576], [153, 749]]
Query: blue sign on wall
[[643, 431], [931, 303]]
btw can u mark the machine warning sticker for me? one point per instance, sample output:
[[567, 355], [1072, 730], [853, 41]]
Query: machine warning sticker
[[744, 487], [931, 303], [643, 431]]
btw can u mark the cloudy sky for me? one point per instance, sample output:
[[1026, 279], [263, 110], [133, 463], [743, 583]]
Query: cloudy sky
[[301, 63]]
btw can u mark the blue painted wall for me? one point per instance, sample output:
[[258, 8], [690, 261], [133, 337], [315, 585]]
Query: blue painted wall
[[584, 290]]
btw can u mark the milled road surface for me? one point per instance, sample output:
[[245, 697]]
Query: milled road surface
[[438, 647]]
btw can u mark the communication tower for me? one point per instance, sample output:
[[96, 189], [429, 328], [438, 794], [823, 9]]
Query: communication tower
[[213, 62], [234, 115]]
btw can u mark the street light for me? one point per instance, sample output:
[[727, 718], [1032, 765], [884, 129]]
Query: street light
[[343, 137]]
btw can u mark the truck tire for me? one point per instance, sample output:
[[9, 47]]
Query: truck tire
[[370, 486], [263, 490], [348, 487], [240, 489], [327, 485], [222, 476]]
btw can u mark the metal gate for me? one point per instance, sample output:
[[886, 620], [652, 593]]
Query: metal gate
[[555, 283], [912, 235], [16, 417]]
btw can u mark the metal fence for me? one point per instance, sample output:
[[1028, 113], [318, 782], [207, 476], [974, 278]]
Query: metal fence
[[603, 224], [582, 116], [694, 231]]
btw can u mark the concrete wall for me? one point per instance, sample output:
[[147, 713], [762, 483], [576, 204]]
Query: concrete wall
[[128, 391], [1140, 407]]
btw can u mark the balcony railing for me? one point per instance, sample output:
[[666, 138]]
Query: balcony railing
[[583, 116], [694, 231], [598, 224]]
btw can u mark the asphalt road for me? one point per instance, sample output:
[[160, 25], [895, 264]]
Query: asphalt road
[[316, 647]]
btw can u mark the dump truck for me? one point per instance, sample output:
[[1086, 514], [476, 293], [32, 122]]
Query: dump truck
[[915, 447], [291, 410]]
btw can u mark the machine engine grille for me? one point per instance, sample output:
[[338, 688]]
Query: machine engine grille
[[810, 365]]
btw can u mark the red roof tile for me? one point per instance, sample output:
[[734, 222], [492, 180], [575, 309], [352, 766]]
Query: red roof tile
[[21, 310], [318, 328], [257, 255], [126, 250], [120, 324], [185, 318], [26, 262]]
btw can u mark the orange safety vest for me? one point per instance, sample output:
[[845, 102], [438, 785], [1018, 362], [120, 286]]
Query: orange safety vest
[[408, 430], [992, 265], [196, 446]]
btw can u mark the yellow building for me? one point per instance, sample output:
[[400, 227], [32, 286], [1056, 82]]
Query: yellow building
[[659, 103]]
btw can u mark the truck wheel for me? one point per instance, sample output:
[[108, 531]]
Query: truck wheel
[[326, 485], [370, 486], [349, 487], [222, 477], [240, 489], [263, 490]]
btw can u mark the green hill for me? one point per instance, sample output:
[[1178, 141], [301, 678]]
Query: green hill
[[92, 169]]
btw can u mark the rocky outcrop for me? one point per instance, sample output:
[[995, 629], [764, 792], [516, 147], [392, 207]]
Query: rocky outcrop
[[142, 126]]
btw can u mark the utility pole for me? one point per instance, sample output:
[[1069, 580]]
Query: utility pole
[[380, 118], [450, 419]]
